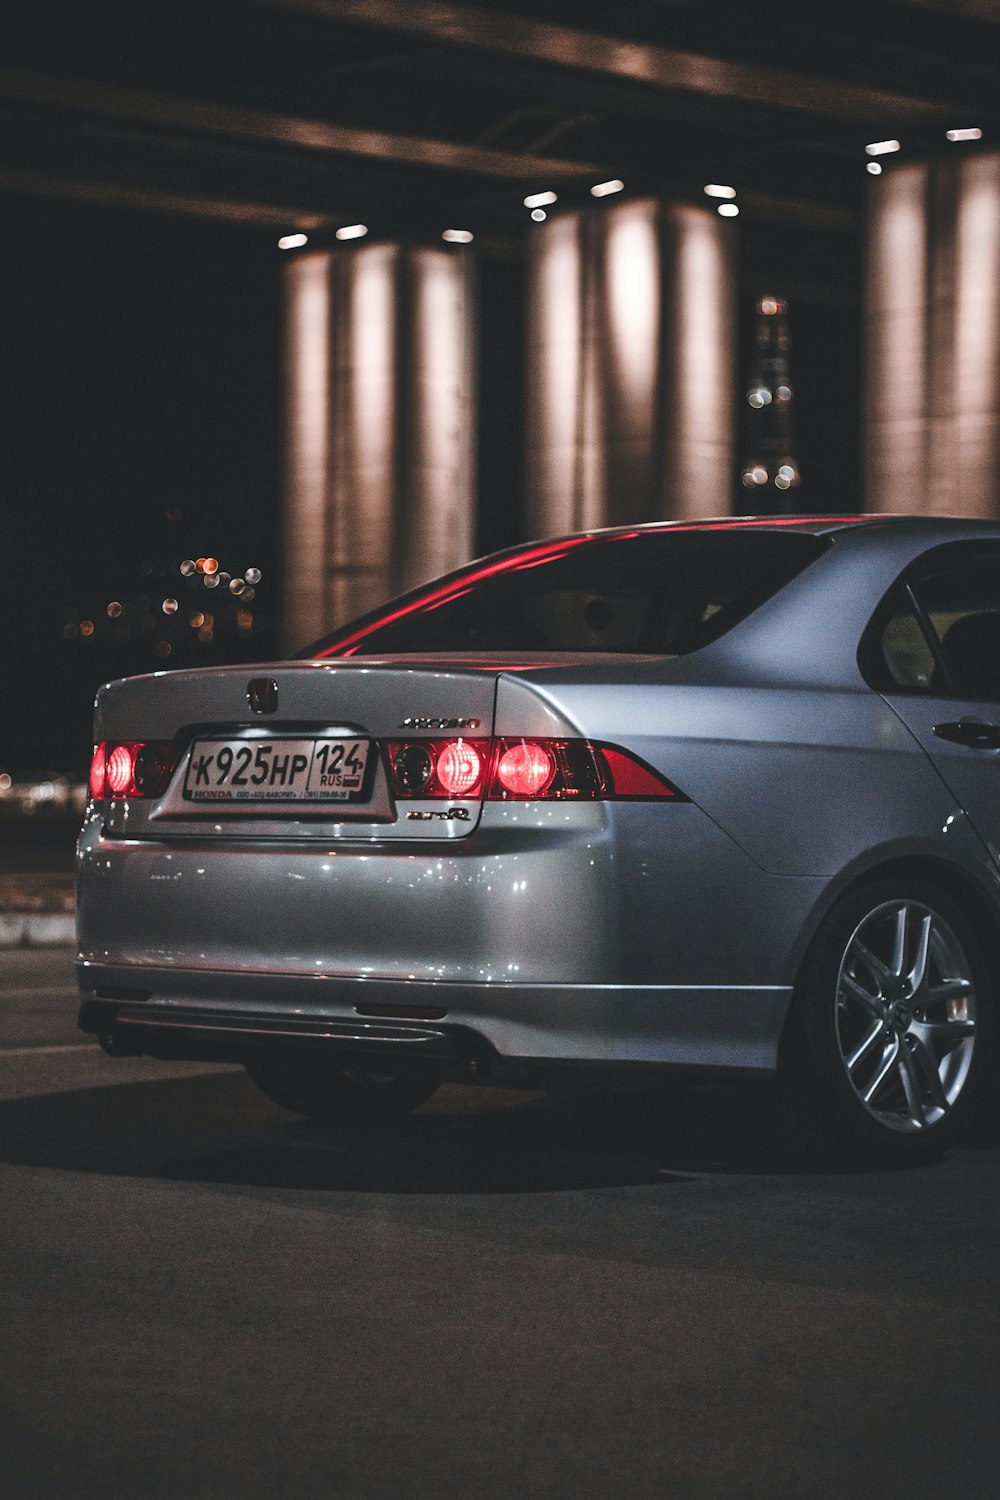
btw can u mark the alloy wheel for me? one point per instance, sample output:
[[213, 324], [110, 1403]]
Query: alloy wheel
[[906, 1015]]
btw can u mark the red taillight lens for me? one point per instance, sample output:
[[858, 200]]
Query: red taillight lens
[[439, 768], [512, 769], [132, 768], [97, 771], [121, 763], [526, 769], [459, 768]]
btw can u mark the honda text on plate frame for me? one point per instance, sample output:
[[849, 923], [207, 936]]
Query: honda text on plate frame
[[719, 796]]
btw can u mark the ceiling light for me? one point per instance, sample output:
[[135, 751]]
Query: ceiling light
[[539, 215], [293, 241], [352, 232], [603, 189], [728, 210], [881, 148], [972, 134], [539, 200], [458, 236], [719, 190], [874, 168]]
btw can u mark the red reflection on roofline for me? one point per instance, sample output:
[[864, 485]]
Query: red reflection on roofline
[[530, 557], [534, 555]]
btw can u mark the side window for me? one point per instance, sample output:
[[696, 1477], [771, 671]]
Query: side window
[[963, 608], [906, 655]]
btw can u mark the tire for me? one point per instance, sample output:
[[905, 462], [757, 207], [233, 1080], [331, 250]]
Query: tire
[[889, 1039], [308, 1085]]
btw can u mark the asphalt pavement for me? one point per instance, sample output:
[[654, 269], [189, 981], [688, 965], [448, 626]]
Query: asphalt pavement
[[508, 1295]]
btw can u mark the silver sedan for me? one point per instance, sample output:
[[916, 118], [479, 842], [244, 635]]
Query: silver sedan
[[711, 796]]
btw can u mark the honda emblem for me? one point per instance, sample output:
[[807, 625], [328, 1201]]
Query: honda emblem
[[262, 695]]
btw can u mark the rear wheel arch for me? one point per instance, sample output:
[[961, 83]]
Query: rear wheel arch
[[952, 879], [845, 1111]]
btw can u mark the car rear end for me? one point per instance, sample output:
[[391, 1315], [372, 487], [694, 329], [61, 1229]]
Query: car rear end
[[428, 855]]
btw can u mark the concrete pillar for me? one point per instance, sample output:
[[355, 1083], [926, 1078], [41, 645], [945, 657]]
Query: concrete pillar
[[631, 379], [932, 390], [379, 424]]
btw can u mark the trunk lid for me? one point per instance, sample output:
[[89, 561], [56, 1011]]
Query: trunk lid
[[359, 700]]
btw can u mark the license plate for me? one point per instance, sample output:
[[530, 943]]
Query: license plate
[[311, 770]]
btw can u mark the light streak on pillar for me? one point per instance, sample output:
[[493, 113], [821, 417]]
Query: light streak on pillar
[[630, 389], [435, 519], [699, 421], [363, 481], [896, 326], [554, 315], [977, 336], [380, 416], [307, 343], [628, 352]]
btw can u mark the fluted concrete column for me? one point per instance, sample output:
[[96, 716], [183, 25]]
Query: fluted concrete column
[[932, 412], [379, 423], [631, 350]]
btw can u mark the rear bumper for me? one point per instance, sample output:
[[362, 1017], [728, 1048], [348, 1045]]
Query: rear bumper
[[479, 1029]]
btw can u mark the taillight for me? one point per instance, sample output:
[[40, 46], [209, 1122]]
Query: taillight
[[523, 770], [132, 768], [439, 768]]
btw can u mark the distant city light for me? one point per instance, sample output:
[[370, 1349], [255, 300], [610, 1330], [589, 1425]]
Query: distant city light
[[875, 168], [605, 189], [293, 241], [882, 148], [188, 566], [973, 133], [252, 575], [352, 232], [728, 210], [538, 214], [169, 606], [539, 200], [113, 610], [458, 236], [719, 190]]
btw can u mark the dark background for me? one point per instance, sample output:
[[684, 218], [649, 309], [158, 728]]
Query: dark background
[[141, 322]]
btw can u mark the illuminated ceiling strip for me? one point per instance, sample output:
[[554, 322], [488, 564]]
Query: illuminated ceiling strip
[[127, 195], [643, 62], [174, 110]]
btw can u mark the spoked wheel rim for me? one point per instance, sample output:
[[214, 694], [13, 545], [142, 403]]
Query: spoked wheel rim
[[906, 1015]]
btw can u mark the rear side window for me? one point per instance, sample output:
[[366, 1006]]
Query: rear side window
[[963, 609], [939, 632], [661, 593]]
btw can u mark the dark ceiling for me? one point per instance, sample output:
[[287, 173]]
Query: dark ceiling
[[414, 116]]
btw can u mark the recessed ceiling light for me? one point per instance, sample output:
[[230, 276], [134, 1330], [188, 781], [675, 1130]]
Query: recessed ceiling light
[[293, 241], [728, 210], [973, 133], [352, 232], [603, 189], [882, 148], [874, 168], [458, 236], [539, 215], [539, 200]]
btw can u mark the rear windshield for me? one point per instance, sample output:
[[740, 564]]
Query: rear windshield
[[664, 593]]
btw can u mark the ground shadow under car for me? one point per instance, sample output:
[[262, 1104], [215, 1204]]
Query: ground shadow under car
[[215, 1127]]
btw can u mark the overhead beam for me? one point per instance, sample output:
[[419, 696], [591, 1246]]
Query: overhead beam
[[639, 62], [179, 112], [128, 195]]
